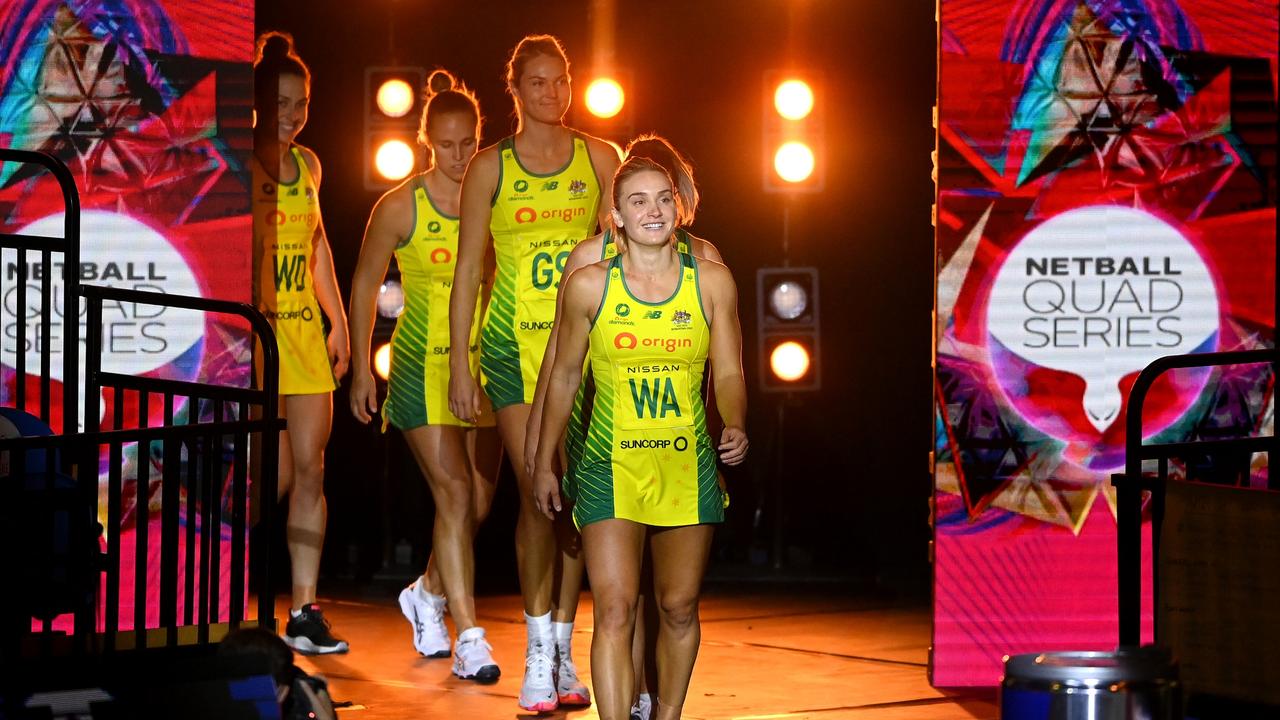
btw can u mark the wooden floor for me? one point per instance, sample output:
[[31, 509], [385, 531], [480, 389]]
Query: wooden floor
[[764, 655]]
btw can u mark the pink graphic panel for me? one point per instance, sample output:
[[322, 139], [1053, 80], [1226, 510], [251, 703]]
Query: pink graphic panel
[[1106, 196]]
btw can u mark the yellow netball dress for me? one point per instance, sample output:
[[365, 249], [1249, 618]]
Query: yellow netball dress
[[285, 218], [647, 457], [537, 220], [576, 432], [418, 387]]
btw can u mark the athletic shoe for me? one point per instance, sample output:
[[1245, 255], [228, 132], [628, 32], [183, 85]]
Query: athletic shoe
[[473, 657], [430, 636], [642, 709], [308, 633], [569, 689], [538, 690]]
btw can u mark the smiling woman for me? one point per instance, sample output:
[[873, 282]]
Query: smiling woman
[[647, 476], [537, 194], [294, 281]]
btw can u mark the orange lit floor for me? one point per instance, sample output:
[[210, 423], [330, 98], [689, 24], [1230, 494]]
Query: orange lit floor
[[763, 655]]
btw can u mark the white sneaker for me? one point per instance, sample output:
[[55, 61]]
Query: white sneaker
[[569, 689], [473, 657], [430, 636], [643, 708], [538, 690]]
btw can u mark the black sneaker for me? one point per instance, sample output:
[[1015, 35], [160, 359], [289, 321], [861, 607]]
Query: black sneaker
[[308, 633]]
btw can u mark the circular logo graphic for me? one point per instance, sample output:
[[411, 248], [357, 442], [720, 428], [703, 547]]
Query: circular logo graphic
[[625, 341], [521, 185], [433, 226], [1087, 299], [526, 215], [439, 256], [681, 444], [622, 309]]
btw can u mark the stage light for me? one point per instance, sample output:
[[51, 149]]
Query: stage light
[[394, 159], [793, 162], [605, 110], [788, 300], [393, 106], [793, 138], [789, 361], [391, 299], [395, 98], [382, 361], [793, 99], [605, 97], [787, 329]]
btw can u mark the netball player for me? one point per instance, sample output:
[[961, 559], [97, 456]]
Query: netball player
[[294, 284], [538, 194], [418, 222], [648, 319]]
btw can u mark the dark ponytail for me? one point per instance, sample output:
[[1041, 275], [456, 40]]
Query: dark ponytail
[[273, 57]]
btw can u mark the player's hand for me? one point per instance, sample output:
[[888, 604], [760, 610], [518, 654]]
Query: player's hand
[[546, 492], [464, 396], [339, 348], [733, 446], [363, 396]]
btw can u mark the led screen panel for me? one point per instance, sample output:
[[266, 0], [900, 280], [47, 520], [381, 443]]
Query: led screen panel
[[1106, 196], [148, 102]]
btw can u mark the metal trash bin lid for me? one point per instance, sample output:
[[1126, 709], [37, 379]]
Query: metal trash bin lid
[[1092, 668]]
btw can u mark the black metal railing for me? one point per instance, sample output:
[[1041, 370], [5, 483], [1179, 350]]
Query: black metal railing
[[1132, 483], [207, 453], [54, 514], [45, 271]]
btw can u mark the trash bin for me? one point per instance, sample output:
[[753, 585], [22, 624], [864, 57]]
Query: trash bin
[[1133, 684]]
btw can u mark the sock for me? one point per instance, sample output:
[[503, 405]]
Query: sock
[[643, 704], [429, 596], [539, 629], [563, 632]]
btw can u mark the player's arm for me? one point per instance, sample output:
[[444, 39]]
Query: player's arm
[[582, 291], [585, 253], [478, 186], [606, 159], [726, 359], [390, 223]]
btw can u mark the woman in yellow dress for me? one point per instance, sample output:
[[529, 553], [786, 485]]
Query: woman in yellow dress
[[538, 194], [295, 283], [418, 222], [649, 320]]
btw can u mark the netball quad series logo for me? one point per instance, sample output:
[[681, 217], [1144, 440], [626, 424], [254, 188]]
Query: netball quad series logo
[[1098, 292], [137, 338]]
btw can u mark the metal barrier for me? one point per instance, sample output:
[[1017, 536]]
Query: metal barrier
[[68, 246], [49, 486], [203, 472], [1132, 483]]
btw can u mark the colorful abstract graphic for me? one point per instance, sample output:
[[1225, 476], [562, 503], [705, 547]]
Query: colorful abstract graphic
[[1106, 196], [148, 103]]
